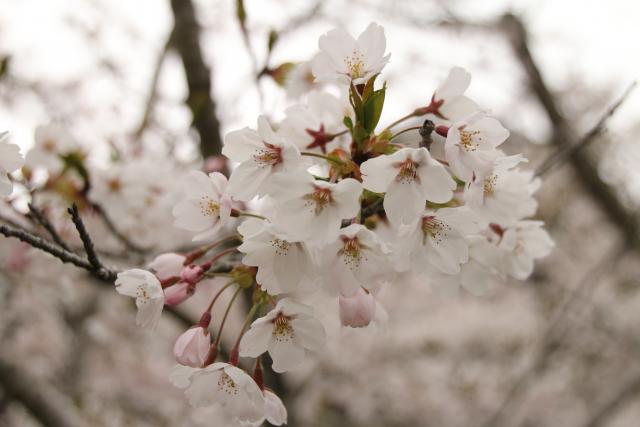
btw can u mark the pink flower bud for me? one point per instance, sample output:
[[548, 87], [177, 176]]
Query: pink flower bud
[[192, 347], [175, 294], [215, 164], [357, 310], [167, 265], [191, 274]]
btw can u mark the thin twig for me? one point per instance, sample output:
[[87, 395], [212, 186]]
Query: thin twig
[[605, 196], [51, 248], [39, 216], [568, 150], [628, 393], [96, 265], [115, 231], [44, 402], [241, 15], [556, 329], [153, 88]]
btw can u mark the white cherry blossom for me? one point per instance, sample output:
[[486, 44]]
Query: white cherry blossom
[[262, 154], [288, 333], [356, 258], [146, 289], [313, 210], [283, 265], [409, 177], [520, 245], [274, 410], [224, 385], [471, 144], [207, 206], [505, 194], [51, 142], [343, 59], [438, 239], [449, 100], [311, 125], [10, 160]]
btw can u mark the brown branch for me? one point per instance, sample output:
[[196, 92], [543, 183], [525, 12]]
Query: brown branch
[[43, 401], [153, 89], [556, 329], [51, 248], [96, 266], [624, 396], [564, 136], [113, 229], [561, 154], [41, 219], [187, 43]]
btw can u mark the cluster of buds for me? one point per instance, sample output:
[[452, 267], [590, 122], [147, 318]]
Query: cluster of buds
[[338, 206]]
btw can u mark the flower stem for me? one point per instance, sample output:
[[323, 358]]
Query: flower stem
[[237, 213], [322, 156], [400, 120], [207, 265], [217, 295], [235, 350], [226, 314], [404, 131], [197, 253]]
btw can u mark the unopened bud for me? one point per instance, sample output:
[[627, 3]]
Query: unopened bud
[[176, 294], [167, 265], [191, 274], [357, 310], [192, 347]]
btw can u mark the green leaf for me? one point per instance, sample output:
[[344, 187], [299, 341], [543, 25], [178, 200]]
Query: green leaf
[[359, 133], [368, 88], [273, 39], [348, 123], [356, 103], [373, 109], [241, 12]]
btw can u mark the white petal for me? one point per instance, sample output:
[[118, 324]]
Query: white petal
[[454, 85], [403, 202], [286, 355], [309, 332], [256, 340], [378, 173], [436, 182]]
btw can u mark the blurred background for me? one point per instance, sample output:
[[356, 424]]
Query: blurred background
[[128, 77]]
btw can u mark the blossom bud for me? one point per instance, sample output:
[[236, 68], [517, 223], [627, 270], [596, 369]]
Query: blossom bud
[[357, 310], [215, 164], [191, 274], [167, 265], [192, 347], [175, 294]]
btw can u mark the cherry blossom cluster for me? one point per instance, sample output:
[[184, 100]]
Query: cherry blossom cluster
[[327, 201]]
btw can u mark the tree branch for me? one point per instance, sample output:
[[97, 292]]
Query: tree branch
[[187, 42], [51, 248], [153, 88], [561, 155], [46, 404], [41, 219], [564, 136], [627, 394], [96, 266]]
